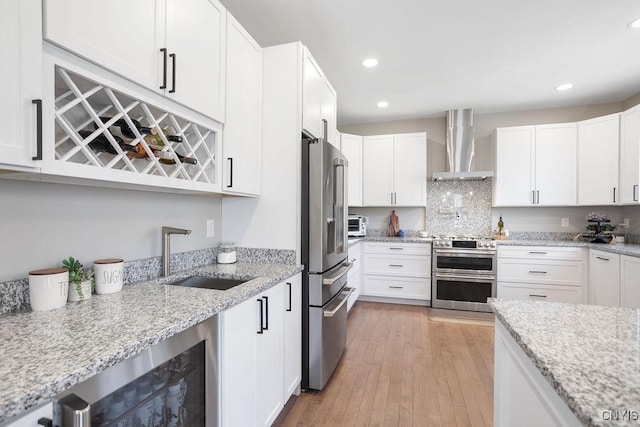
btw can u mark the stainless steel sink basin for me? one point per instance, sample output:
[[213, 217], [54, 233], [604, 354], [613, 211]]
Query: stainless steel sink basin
[[206, 282]]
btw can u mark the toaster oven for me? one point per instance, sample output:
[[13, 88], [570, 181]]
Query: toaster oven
[[357, 225]]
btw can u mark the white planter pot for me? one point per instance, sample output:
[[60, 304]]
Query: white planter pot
[[85, 291]]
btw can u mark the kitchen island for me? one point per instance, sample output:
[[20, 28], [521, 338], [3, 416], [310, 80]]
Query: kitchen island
[[46, 353], [566, 364]]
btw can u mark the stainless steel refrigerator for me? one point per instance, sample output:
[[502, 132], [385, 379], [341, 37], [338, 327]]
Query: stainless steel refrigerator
[[324, 255]]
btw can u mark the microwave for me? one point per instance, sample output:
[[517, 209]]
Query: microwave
[[357, 225]]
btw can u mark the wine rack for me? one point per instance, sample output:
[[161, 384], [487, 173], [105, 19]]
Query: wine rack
[[80, 106]]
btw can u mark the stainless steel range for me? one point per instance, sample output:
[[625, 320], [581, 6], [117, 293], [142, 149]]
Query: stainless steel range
[[463, 273]]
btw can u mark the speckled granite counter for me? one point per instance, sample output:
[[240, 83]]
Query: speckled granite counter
[[45, 353], [388, 239], [632, 249], [589, 354]]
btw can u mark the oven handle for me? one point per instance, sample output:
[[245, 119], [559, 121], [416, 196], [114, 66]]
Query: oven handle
[[487, 278], [331, 313], [476, 252], [344, 269]]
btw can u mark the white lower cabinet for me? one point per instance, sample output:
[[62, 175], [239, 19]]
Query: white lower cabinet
[[400, 271], [292, 336], [604, 278], [354, 279], [522, 396], [259, 350], [629, 281], [541, 273]]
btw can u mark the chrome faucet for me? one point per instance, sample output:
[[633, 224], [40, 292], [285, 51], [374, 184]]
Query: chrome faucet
[[166, 251]]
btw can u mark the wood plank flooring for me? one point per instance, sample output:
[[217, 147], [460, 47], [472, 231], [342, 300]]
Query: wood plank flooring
[[402, 369]]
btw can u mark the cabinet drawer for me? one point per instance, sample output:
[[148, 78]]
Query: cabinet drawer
[[405, 287], [569, 294], [397, 248], [355, 256], [399, 265], [567, 273], [540, 252]]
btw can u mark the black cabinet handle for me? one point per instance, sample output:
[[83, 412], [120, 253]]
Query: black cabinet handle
[[289, 285], [533, 197], [261, 317], [266, 306], [537, 197], [614, 194], [38, 104], [635, 193], [230, 172], [173, 77], [537, 296], [164, 68], [603, 259]]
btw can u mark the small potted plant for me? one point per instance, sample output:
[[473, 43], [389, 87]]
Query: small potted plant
[[80, 280]]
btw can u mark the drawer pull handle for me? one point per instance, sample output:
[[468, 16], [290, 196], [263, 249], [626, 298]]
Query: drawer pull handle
[[396, 287], [603, 259], [537, 252], [537, 272], [537, 296], [396, 249], [396, 265]]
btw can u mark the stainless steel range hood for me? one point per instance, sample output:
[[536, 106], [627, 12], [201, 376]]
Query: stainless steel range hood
[[460, 149]]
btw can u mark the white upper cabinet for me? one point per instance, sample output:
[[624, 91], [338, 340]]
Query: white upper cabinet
[[410, 169], [555, 164], [196, 33], [21, 69], [598, 146], [319, 102], [513, 183], [394, 170], [536, 165], [377, 170], [328, 113], [630, 156], [351, 147], [172, 47], [242, 144]]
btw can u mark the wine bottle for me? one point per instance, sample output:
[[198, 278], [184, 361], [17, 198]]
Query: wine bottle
[[152, 132], [500, 225], [154, 138], [101, 144], [164, 157]]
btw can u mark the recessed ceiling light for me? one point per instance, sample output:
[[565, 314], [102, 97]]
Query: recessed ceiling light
[[383, 104], [370, 62], [565, 86], [635, 24]]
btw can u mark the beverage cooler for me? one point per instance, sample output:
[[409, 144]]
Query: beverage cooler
[[172, 384]]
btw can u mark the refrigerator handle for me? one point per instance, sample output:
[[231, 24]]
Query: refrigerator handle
[[339, 211]]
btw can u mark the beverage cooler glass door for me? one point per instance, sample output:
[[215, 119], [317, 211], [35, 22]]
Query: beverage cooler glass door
[[327, 206], [173, 383]]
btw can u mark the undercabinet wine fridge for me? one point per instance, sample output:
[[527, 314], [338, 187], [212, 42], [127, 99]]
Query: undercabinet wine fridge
[[173, 383]]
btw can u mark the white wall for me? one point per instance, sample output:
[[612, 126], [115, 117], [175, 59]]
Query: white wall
[[41, 223], [273, 220]]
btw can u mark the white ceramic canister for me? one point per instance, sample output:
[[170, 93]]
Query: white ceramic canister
[[108, 274], [48, 288]]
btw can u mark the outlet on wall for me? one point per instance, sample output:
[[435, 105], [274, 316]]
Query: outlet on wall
[[210, 228], [565, 222], [625, 222]]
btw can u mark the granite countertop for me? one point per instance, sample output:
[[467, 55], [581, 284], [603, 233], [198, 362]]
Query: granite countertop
[[389, 239], [589, 354], [45, 353], [632, 249]]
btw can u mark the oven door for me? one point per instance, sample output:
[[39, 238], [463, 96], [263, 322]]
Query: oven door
[[455, 261], [459, 292]]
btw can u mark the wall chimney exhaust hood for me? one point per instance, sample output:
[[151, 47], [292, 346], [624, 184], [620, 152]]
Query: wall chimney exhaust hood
[[460, 149]]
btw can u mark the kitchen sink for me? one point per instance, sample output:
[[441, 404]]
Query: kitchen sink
[[206, 282]]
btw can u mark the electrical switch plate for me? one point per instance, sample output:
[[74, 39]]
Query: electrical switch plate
[[625, 223], [565, 222], [210, 228]]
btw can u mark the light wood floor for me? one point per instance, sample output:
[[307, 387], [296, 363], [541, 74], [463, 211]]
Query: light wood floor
[[402, 369]]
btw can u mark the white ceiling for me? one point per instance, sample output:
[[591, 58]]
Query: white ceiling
[[490, 55]]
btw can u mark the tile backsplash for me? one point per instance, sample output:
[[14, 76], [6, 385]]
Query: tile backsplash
[[459, 207]]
